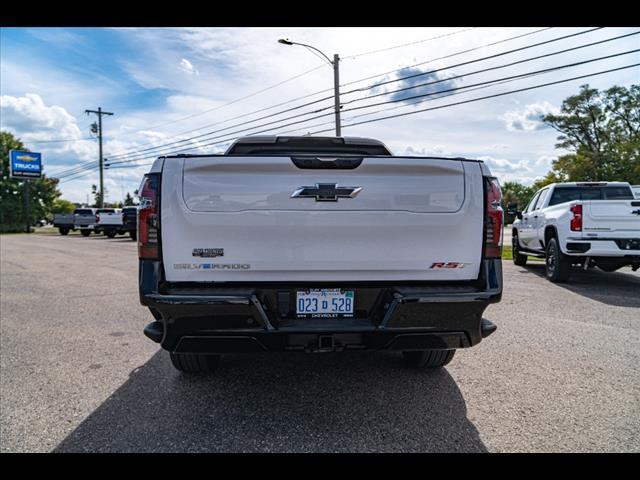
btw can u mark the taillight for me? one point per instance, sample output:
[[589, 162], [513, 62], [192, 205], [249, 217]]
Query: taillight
[[493, 219], [576, 221], [149, 218], [97, 217]]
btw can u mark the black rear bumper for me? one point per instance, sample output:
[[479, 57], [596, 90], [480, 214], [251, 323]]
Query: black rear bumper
[[212, 319]]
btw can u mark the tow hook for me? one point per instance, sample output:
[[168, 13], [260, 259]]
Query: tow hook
[[155, 331], [487, 328]]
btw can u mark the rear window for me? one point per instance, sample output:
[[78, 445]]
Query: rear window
[[83, 211], [105, 210], [569, 194]]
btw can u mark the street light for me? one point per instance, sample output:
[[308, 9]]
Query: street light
[[336, 77]]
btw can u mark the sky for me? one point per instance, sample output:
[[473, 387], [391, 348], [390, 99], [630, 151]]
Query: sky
[[167, 85]]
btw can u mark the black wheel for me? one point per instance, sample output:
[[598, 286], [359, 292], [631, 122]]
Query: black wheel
[[194, 362], [557, 264], [110, 233], [428, 358], [134, 235], [64, 231], [518, 258], [85, 233]]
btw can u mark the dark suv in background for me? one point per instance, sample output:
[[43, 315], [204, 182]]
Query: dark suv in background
[[130, 221]]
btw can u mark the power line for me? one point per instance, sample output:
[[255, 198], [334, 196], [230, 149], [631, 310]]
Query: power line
[[160, 147], [488, 96], [476, 99], [409, 43], [117, 155], [434, 93], [163, 147], [228, 103], [322, 91], [508, 52], [395, 107], [446, 56], [492, 68]]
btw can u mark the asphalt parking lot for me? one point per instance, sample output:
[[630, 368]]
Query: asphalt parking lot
[[562, 372]]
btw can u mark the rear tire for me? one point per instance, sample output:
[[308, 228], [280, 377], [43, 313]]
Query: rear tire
[[133, 234], [428, 358], [85, 233], [518, 258], [110, 233], [64, 231], [557, 264], [194, 362]]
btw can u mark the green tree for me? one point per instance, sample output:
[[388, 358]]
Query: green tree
[[129, 201], [61, 205], [97, 196], [42, 192], [515, 193], [602, 132]]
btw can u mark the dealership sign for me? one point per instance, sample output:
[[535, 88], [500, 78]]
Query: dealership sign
[[25, 164]]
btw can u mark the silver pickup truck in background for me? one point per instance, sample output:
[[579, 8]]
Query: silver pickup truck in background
[[82, 219]]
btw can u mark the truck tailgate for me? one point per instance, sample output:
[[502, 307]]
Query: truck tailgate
[[231, 218], [611, 218]]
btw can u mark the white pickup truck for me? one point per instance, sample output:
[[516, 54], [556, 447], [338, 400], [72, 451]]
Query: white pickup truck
[[318, 244], [591, 224], [109, 221]]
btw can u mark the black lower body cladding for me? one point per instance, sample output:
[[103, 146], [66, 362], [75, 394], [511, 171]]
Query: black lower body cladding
[[206, 318]]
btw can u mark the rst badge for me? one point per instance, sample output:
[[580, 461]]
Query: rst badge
[[448, 265], [208, 252]]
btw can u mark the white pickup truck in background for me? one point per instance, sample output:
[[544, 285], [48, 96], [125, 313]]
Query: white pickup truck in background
[[109, 221], [591, 224], [318, 244]]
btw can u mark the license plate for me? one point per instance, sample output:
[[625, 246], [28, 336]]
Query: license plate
[[325, 302]]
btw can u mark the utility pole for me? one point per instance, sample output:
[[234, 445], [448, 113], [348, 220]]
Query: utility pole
[[336, 77], [100, 113], [26, 205], [336, 90]]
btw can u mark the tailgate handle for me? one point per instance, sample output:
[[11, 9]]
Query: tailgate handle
[[329, 163]]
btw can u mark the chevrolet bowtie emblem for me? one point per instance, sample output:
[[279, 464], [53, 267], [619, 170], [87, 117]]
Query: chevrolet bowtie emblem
[[326, 192]]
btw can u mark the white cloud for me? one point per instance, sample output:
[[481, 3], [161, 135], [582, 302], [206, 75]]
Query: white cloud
[[545, 161], [429, 150], [529, 118], [502, 165], [187, 66], [34, 121]]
